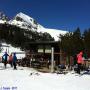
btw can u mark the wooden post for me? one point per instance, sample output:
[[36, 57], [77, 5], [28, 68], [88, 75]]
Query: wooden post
[[60, 56], [52, 60]]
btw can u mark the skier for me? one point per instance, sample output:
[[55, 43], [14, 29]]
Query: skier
[[10, 60], [79, 61], [14, 60], [5, 56]]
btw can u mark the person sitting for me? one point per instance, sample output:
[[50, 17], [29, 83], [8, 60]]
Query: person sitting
[[61, 66]]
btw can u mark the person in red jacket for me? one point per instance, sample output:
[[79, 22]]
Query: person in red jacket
[[10, 60], [79, 61]]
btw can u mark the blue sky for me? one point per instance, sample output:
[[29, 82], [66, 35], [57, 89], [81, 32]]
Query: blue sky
[[58, 14]]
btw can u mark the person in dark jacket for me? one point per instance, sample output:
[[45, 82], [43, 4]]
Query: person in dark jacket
[[5, 57], [14, 60]]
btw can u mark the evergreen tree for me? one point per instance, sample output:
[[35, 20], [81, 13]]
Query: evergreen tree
[[72, 43], [18, 37], [86, 39], [78, 44]]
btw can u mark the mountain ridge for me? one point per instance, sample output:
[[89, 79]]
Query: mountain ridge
[[26, 22]]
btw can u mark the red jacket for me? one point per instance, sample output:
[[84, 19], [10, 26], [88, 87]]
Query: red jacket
[[10, 58], [80, 58]]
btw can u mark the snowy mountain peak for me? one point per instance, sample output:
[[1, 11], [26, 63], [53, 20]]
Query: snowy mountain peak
[[3, 18], [28, 23], [24, 17], [24, 21]]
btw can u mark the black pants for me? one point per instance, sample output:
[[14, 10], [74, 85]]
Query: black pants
[[79, 68], [14, 64], [5, 63], [10, 62]]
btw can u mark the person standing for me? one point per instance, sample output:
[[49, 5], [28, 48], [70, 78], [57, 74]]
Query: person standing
[[79, 61], [10, 60], [5, 57], [14, 60]]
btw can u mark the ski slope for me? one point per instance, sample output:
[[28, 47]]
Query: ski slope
[[22, 79]]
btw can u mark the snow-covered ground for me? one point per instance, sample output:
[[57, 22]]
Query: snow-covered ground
[[28, 79]]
